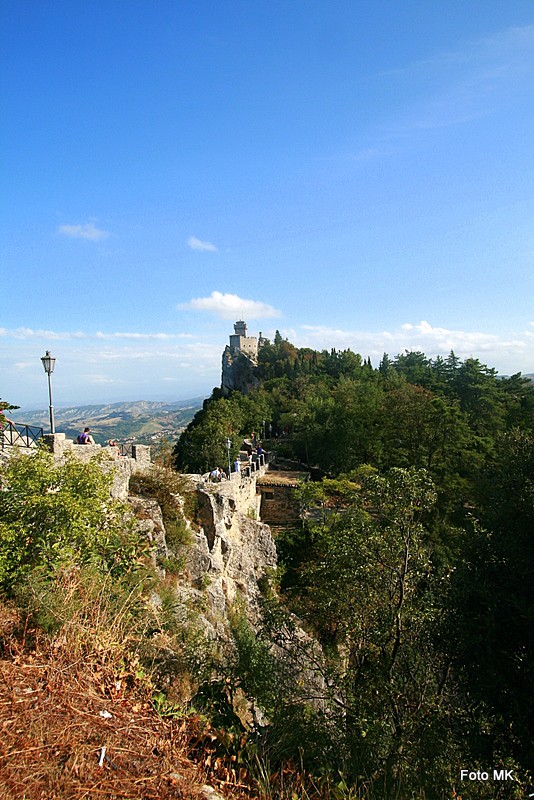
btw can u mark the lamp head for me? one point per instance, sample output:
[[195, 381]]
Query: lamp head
[[48, 362]]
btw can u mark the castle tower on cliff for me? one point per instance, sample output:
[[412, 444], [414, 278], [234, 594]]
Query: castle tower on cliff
[[239, 360], [241, 342]]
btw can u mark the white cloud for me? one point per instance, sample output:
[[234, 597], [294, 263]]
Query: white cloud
[[108, 367], [231, 306], [88, 231], [141, 336], [197, 244], [496, 350], [162, 353], [101, 367], [31, 333], [99, 379]]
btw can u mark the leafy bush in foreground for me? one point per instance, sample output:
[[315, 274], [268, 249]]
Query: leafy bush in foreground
[[52, 514]]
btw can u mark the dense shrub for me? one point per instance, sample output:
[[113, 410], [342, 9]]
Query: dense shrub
[[53, 514]]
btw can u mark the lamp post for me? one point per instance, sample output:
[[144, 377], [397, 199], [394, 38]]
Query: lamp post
[[48, 365], [229, 447]]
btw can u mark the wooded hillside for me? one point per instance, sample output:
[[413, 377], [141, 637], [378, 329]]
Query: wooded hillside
[[415, 575]]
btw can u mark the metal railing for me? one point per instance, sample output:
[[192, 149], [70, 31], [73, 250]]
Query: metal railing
[[15, 434]]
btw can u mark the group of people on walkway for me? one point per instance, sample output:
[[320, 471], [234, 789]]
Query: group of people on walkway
[[250, 449], [219, 474]]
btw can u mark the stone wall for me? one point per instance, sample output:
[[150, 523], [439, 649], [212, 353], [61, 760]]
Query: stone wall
[[279, 506], [245, 344], [279, 503], [123, 466]]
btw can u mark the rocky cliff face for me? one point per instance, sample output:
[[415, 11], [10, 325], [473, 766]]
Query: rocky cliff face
[[228, 553], [231, 551], [237, 372]]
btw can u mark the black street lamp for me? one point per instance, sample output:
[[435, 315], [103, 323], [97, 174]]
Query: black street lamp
[[48, 365]]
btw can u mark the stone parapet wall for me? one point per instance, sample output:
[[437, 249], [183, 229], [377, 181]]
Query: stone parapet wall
[[141, 456], [123, 466], [240, 491], [8, 450]]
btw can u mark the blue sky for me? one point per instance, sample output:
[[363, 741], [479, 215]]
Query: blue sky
[[356, 174]]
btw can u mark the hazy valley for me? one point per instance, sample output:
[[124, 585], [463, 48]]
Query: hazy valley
[[145, 422]]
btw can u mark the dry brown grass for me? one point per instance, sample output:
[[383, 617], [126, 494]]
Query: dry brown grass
[[55, 724]]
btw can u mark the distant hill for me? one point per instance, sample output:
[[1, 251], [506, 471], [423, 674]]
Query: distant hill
[[144, 422]]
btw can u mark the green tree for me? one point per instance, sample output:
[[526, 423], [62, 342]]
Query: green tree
[[5, 407], [424, 429], [202, 446], [518, 398], [492, 595], [53, 514], [386, 366], [480, 398], [372, 593], [415, 367], [355, 436]]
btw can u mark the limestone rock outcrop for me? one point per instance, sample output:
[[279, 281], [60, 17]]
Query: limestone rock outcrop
[[238, 372], [231, 551], [149, 522], [228, 554]]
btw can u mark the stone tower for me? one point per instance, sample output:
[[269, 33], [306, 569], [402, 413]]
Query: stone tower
[[240, 359], [240, 327], [241, 343]]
